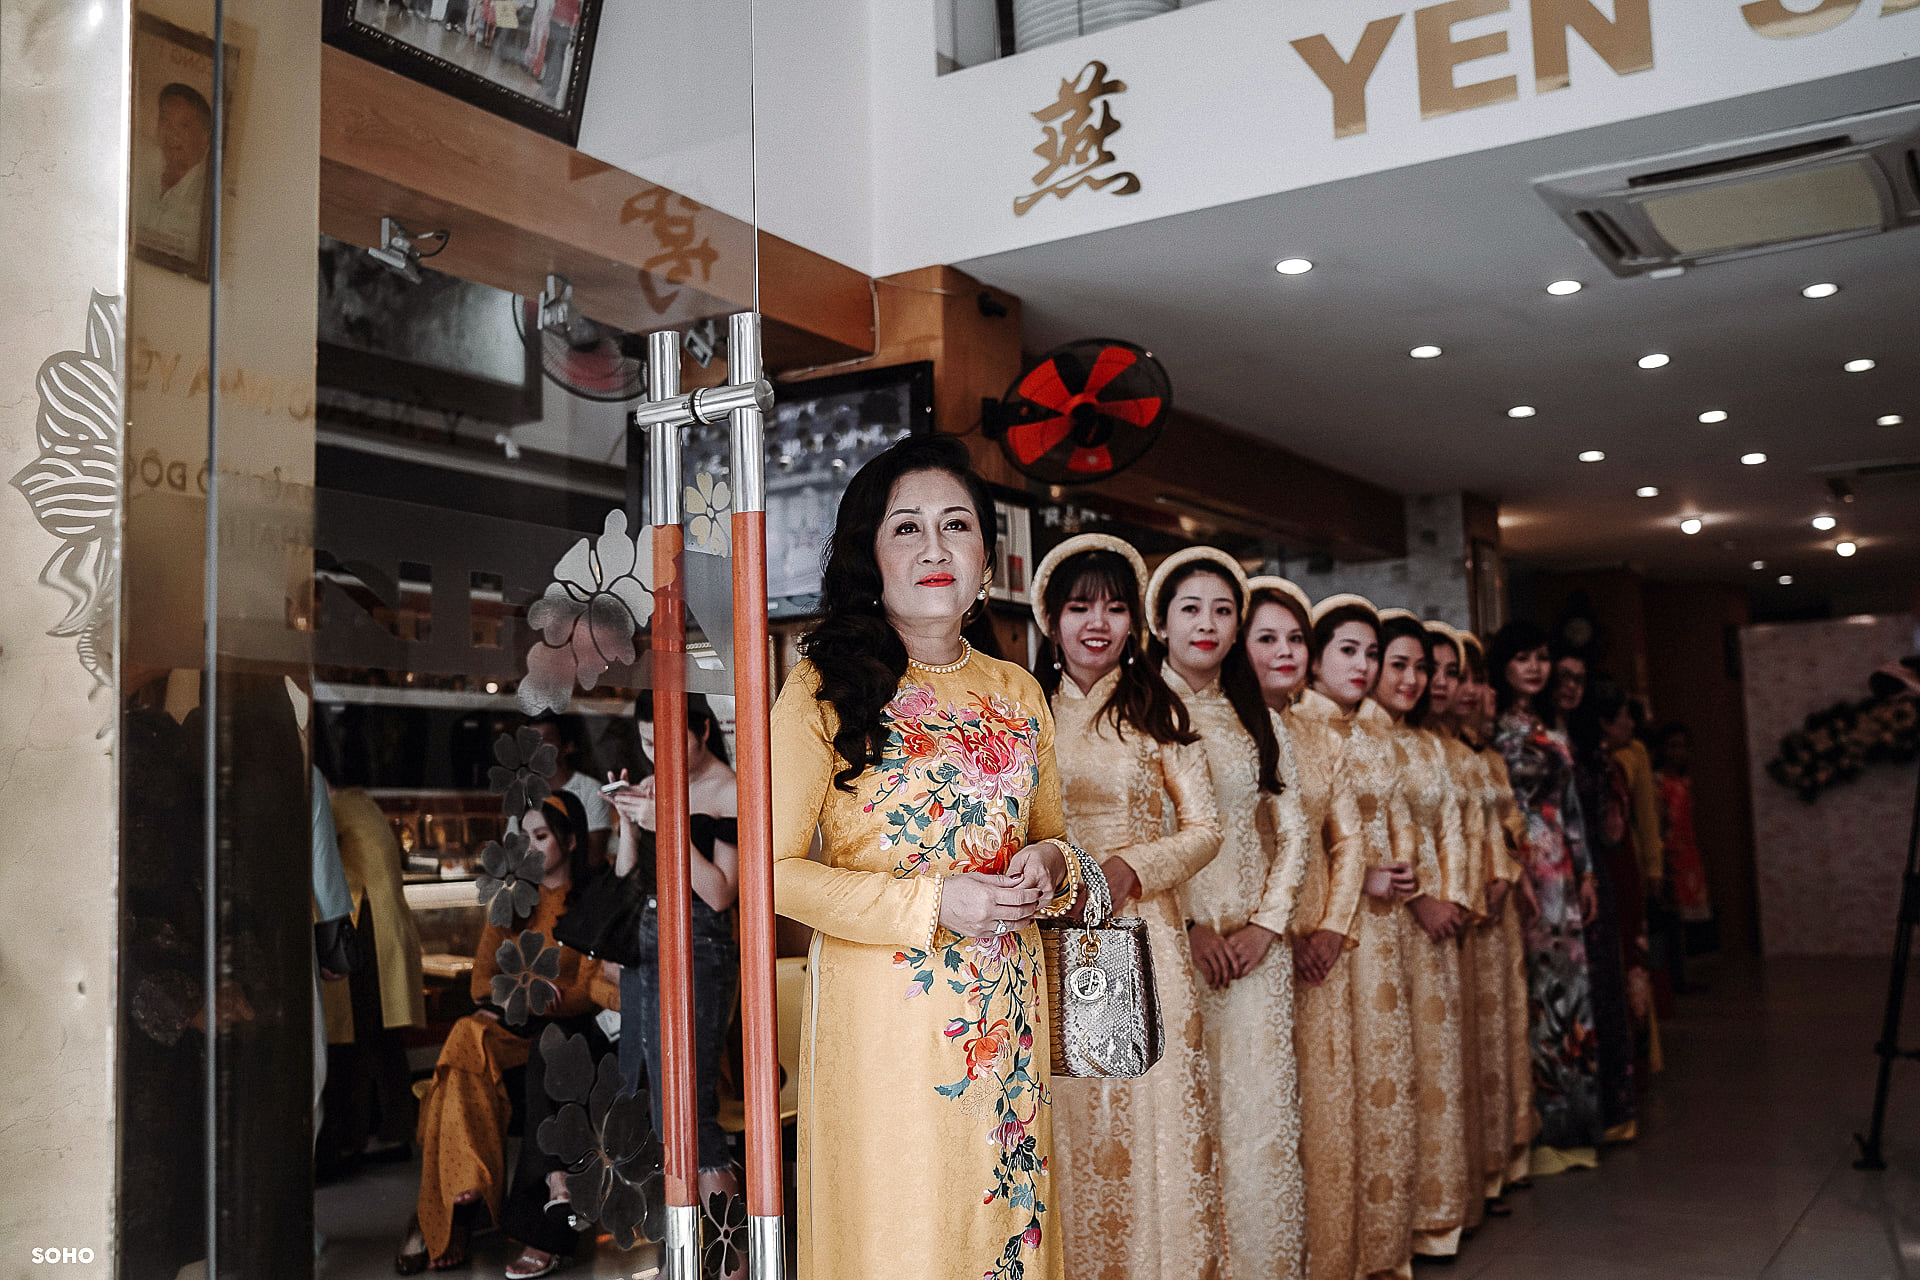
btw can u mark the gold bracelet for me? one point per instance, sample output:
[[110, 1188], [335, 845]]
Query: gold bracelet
[[1069, 890], [933, 927]]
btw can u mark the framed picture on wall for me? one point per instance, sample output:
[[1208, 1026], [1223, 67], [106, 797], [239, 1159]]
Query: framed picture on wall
[[525, 60], [1013, 551], [173, 143]]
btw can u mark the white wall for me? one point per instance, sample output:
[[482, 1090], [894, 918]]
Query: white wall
[[1829, 872]]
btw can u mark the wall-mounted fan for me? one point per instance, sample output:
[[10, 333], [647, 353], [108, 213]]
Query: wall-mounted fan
[[588, 358], [1082, 412]]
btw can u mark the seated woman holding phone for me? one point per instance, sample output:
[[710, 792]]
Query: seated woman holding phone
[[713, 828]]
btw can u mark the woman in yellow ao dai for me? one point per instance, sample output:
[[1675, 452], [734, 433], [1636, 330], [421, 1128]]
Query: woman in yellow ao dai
[[1241, 905], [1137, 1175], [925, 1140]]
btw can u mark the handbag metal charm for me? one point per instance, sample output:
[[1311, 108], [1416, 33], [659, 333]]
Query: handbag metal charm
[[1087, 983]]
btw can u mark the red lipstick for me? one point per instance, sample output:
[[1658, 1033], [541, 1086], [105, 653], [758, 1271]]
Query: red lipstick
[[937, 580]]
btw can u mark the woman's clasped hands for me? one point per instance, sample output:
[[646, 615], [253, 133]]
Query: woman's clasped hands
[[977, 903]]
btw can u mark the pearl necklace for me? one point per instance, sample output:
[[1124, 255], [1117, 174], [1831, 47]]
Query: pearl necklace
[[966, 653]]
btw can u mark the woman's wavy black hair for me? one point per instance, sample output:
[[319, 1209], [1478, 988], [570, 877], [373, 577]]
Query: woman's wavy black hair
[[1140, 698], [1237, 679], [1411, 629], [1514, 639], [855, 650]]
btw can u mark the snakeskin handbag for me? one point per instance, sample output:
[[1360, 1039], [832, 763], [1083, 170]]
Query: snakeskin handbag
[[1100, 990]]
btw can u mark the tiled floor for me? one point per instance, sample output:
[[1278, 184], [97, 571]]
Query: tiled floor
[[1743, 1170]]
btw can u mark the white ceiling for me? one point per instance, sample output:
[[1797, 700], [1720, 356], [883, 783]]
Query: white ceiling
[[1457, 253]]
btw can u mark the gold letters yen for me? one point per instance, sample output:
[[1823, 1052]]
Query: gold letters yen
[[1077, 126]]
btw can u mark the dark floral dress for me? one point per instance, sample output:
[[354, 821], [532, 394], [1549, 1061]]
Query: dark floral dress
[[1559, 990]]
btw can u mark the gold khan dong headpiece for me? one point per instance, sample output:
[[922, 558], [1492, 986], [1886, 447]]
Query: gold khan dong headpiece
[[1180, 559], [1072, 547], [1292, 591], [1388, 615], [1333, 602], [1451, 635]]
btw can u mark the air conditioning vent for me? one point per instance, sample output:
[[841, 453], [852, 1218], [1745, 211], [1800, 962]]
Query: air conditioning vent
[[1828, 181]]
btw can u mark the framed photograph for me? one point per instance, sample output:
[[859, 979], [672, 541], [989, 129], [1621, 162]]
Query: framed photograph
[[526, 60], [444, 342], [173, 144], [1012, 552]]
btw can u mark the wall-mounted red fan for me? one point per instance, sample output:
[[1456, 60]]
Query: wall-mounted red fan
[[1082, 412]]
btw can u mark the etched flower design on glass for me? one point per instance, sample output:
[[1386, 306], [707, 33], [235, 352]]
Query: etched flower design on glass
[[604, 1135], [601, 595], [526, 762], [529, 977], [509, 881], [706, 502], [726, 1234]]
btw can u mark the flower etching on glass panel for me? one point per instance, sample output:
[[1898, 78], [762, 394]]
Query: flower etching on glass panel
[[525, 764], [604, 1136], [73, 483], [509, 882], [600, 597], [706, 503], [528, 981]]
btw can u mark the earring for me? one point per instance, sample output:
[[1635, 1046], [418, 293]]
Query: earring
[[986, 580], [1056, 663]]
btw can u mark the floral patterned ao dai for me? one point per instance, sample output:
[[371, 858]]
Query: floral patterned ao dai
[[1137, 1177], [925, 1134]]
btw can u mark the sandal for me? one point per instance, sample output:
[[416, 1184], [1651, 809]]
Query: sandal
[[411, 1262], [521, 1269], [560, 1215]]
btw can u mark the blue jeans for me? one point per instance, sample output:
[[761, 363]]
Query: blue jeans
[[716, 973]]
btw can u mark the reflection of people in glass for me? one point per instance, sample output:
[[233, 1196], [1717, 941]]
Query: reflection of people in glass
[[173, 179]]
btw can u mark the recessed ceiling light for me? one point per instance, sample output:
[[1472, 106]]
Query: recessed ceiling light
[[1786, 579], [1845, 549], [1824, 523], [1712, 416], [1521, 411], [1593, 455], [1822, 290], [1657, 360], [1858, 366], [1889, 420], [1752, 459], [1561, 288], [1646, 491], [1691, 525], [1758, 565], [1424, 353], [1293, 266]]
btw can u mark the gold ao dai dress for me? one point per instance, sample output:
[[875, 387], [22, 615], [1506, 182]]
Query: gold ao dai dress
[[1255, 879], [1136, 1170], [1442, 1185], [1503, 973], [925, 1133], [1366, 819], [1468, 796], [1330, 896]]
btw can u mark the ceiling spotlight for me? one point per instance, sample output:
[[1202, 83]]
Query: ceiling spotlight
[[1824, 523], [1888, 420], [1424, 353], [1593, 455], [1293, 266], [1657, 360], [1758, 565], [1521, 411], [1752, 459], [1712, 416], [1858, 366], [1822, 290], [1845, 549], [1786, 579], [1691, 525], [1561, 288], [1646, 491]]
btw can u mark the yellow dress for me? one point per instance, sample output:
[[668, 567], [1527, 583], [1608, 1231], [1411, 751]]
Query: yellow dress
[[1466, 791], [1433, 977], [1137, 1177], [925, 1134], [1504, 967], [1255, 879], [1368, 814], [1330, 895], [371, 858]]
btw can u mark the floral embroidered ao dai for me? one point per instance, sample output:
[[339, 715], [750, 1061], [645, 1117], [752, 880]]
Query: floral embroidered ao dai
[[1565, 1053], [925, 1134], [1137, 1175], [1255, 879]]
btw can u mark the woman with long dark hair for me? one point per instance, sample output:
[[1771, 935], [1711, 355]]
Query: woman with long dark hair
[[1366, 820], [925, 1134], [713, 862], [1137, 1174], [1560, 1001], [1241, 905]]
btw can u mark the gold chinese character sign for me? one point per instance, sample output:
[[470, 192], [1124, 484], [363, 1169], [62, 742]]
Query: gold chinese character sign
[[1077, 125]]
